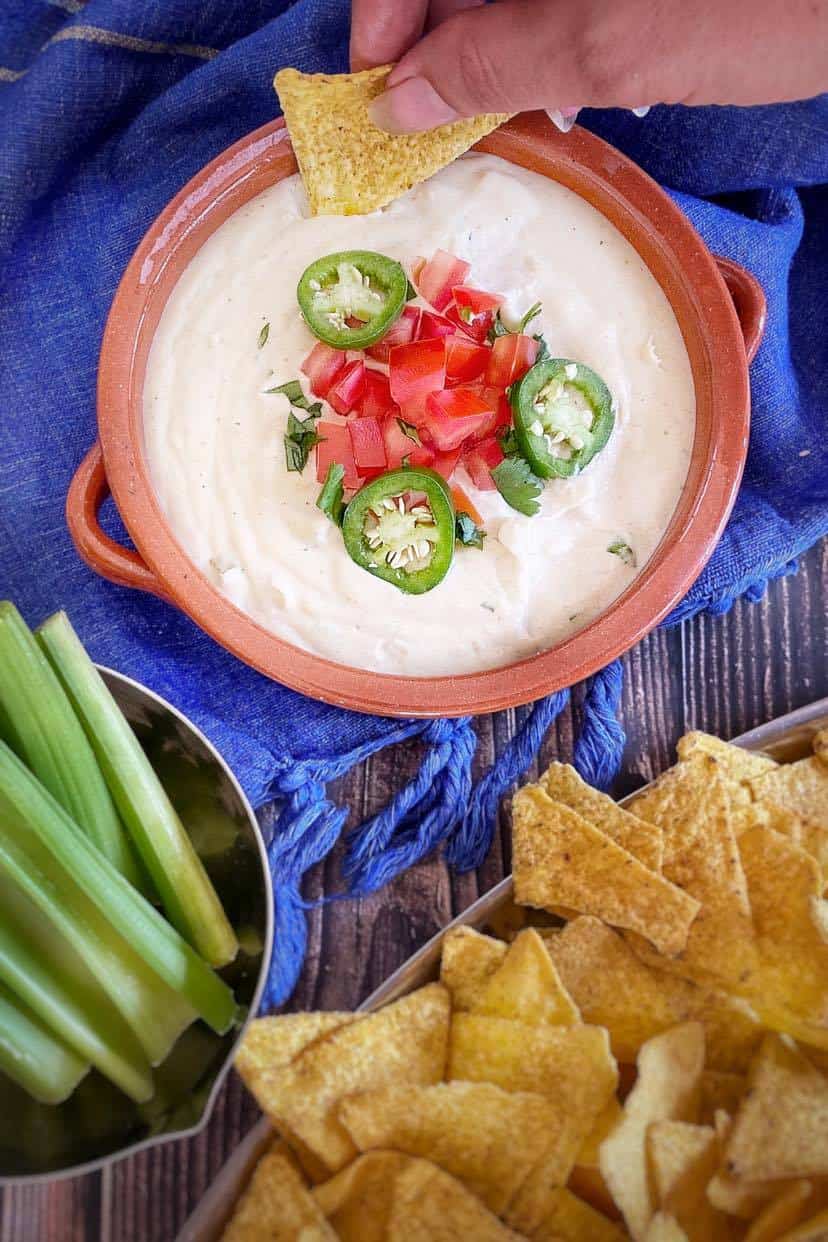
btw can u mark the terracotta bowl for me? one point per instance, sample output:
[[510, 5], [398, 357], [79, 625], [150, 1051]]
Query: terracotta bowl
[[719, 306]]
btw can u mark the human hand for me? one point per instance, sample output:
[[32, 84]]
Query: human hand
[[463, 57]]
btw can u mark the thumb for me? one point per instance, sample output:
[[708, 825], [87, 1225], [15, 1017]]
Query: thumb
[[502, 57]]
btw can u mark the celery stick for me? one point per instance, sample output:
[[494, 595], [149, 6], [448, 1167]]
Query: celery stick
[[155, 1013], [80, 889], [55, 983], [39, 723], [187, 895], [33, 1056]]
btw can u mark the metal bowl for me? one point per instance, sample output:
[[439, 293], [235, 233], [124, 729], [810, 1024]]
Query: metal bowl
[[98, 1124]]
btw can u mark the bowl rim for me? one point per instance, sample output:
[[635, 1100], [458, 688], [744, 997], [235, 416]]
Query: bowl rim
[[102, 1162], [649, 219]]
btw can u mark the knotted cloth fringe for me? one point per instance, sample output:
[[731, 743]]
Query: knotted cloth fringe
[[439, 806]]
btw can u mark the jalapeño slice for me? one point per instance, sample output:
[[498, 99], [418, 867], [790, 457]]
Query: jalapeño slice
[[351, 298], [563, 416], [400, 527]]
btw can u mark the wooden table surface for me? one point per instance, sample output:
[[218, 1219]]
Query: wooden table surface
[[724, 674]]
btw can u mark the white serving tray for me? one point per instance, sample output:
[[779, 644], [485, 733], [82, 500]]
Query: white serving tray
[[787, 738]]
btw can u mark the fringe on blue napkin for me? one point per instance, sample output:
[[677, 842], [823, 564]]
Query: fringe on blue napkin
[[107, 108]]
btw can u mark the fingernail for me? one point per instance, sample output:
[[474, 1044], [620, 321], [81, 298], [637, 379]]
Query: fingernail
[[410, 107], [641, 111], [564, 118]]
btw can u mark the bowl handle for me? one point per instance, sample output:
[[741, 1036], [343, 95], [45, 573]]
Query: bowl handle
[[87, 492], [749, 300]]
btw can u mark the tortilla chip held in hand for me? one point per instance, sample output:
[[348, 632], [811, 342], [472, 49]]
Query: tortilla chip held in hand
[[350, 167]]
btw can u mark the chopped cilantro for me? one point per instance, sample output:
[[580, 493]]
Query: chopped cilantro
[[508, 442], [301, 435], [408, 429], [624, 552], [293, 391], [467, 533], [499, 328], [410, 292], [330, 499], [518, 486], [264, 334]]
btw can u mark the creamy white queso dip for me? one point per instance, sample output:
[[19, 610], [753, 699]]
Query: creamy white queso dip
[[214, 439]]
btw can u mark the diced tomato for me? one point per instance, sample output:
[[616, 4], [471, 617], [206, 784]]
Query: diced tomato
[[402, 331], [376, 399], [452, 416], [446, 463], [438, 277], [399, 446], [501, 411], [464, 359], [480, 461], [512, 356], [477, 328], [322, 365], [347, 391], [476, 301], [367, 444], [336, 447], [432, 325], [417, 369], [463, 505]]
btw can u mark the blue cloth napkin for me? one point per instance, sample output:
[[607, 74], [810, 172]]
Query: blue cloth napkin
[[106, 109]]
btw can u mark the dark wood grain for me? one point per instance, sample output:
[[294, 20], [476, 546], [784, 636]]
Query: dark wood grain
[[724, 674]]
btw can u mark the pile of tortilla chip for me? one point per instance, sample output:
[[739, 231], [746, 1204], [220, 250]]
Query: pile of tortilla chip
[[348, 166], [648, 1063]]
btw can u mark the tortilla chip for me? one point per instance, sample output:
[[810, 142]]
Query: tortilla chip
[[691, 803], [350, 167], [804, 833], [669, 1074], [682, 1159], [561, 859], [720, 1092], [813, 1230], [569, 1219], [468, 961], [820, 745], [357, 1201], [431, 1206], [405, 1040], [736, 762], [781, 1214], [817, 1056], [784, 885], [664, 1228], [642, 840], [571, 1065], [270, 1043], [744, 1200], [781, 1128], [672, 1148], [488, 1138], [277, 1194], [527, 987], [800, 787], [613, 988], [605, 1123], [588, 1184]]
